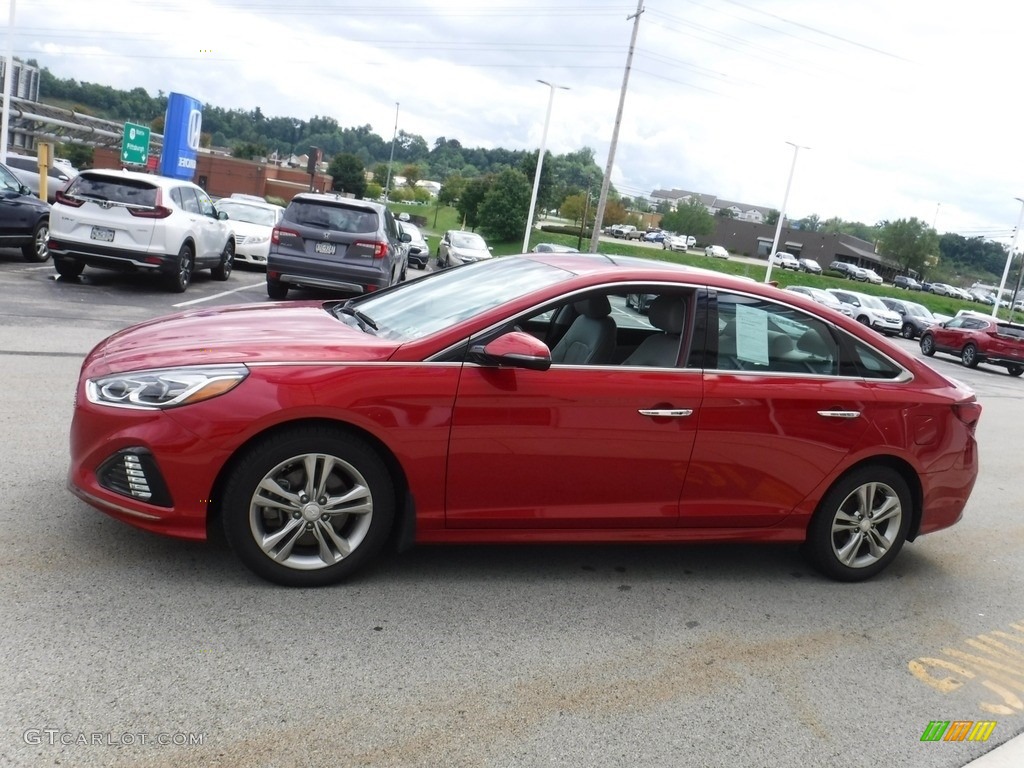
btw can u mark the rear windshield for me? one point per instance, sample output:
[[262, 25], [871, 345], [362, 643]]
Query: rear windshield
[[128, 191], [338, 218]]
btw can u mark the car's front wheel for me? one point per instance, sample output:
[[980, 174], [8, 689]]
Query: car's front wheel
[[860, 525], [179, 280], [308, 507], [227, 262], [927, 345], [38, 250], [969, 356]]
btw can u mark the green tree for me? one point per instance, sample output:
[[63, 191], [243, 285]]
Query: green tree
[[572, 207], [471, 198], [810, 223], [349, 174], [380, 173], [505, 205], [772, 217], [908, 242], [451, 189], [690, 219], [412, 174], [373, 190], [249, 151]]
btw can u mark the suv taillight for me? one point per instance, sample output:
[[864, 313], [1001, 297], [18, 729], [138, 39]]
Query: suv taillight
[[67, 200], [158, 211], [380, 248], [277, 232]]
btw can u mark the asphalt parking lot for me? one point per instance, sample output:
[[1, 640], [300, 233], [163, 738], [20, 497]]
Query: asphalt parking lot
[[125, 649]]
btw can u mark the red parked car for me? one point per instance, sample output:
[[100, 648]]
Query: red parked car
[[977, 338], [517, 400]]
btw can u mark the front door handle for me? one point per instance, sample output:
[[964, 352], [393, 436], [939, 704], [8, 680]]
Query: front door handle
[[840, 414], [667, 413]]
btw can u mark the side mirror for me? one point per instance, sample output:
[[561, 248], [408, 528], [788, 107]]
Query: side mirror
[[515, 349], [406, 237], [222, 215]]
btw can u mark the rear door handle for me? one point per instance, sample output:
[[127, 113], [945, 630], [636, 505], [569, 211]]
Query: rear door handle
[[840, 414], [667, 413]]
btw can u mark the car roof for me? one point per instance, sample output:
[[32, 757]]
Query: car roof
[[157, 181], [330, 197]]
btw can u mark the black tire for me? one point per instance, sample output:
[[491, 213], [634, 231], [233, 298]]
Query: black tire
[[67, 267], [860, 525], [907, 331], [179, 281], [1015, 370], [969, 356], [38, 251], [276, 289], [864, 320], [227, 262], [296, 540], [927, 345]]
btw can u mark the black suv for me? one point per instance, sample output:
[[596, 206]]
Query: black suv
[[906, 282], [24, 219], [337, 243]]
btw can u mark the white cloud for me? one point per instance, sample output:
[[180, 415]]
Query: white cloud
[[907, 107]]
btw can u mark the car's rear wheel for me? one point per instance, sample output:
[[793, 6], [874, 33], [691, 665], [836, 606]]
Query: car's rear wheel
[[927, 345], [227, 262], [969, 356], [308, 507], [907, 331], [67, 267], [181, 278], [38, 250], [1015, 370], [860, 525], [276, 289]]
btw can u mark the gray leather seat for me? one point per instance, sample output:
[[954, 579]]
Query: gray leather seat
[[661, 350], [591, 337]]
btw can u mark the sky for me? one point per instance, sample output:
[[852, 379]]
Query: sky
[[900, 108]]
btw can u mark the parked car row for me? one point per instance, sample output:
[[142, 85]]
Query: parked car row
[[24, 218]]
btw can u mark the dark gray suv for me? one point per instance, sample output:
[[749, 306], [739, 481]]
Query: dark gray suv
[[335, 243]]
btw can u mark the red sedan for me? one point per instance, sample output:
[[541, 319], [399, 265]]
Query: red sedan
[[518, 400], [977, 338]]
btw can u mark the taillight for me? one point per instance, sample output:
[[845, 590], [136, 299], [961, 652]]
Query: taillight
[[968, 413], [64, 199], [158, 211], [380, 248], [276, 232]]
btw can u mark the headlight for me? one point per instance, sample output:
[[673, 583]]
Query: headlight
[[256, 239], [166, 387]]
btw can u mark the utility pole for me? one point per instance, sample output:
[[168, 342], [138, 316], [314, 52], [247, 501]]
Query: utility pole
[[387, 184], [602, 201], [5, 121]]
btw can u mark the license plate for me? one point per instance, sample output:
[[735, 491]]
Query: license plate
[[326, 248], [103, 234]]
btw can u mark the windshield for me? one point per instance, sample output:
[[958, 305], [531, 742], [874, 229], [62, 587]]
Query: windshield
[[421, 307], [828, 299], [251, 214], [413, 232], [917, 310], [468, 240], [871, 301]]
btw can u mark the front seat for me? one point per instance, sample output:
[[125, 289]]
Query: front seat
[[661, 350], [591, 337]]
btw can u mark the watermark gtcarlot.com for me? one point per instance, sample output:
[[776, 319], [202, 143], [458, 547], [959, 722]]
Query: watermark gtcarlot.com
[[57, 737]]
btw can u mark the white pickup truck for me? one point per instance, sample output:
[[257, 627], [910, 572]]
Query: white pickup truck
[[626, 232]]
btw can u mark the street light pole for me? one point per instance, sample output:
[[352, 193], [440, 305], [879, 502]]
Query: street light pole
[[1009, 258], [782, 213], [540, 162], [387, 184]]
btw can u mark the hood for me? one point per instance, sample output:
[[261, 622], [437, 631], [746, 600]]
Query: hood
[[296, 332], [471, 253]]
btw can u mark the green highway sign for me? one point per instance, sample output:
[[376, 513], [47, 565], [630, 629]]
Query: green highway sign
[[135, 144]]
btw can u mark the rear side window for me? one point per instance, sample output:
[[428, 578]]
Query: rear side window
[[127, 191], [338, 218]]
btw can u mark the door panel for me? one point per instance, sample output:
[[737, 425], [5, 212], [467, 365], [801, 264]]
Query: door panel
[[568, 447]]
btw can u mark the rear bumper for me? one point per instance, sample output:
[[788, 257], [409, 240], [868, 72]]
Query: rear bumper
[[105, 257]]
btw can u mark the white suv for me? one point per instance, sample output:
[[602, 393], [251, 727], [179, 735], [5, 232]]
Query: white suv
[[870, 310], [135, 222]]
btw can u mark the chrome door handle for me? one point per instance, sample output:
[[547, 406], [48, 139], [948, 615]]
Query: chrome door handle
[[667, 413], [840, 414]]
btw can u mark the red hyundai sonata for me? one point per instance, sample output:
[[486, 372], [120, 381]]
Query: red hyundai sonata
[[521, 399]]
